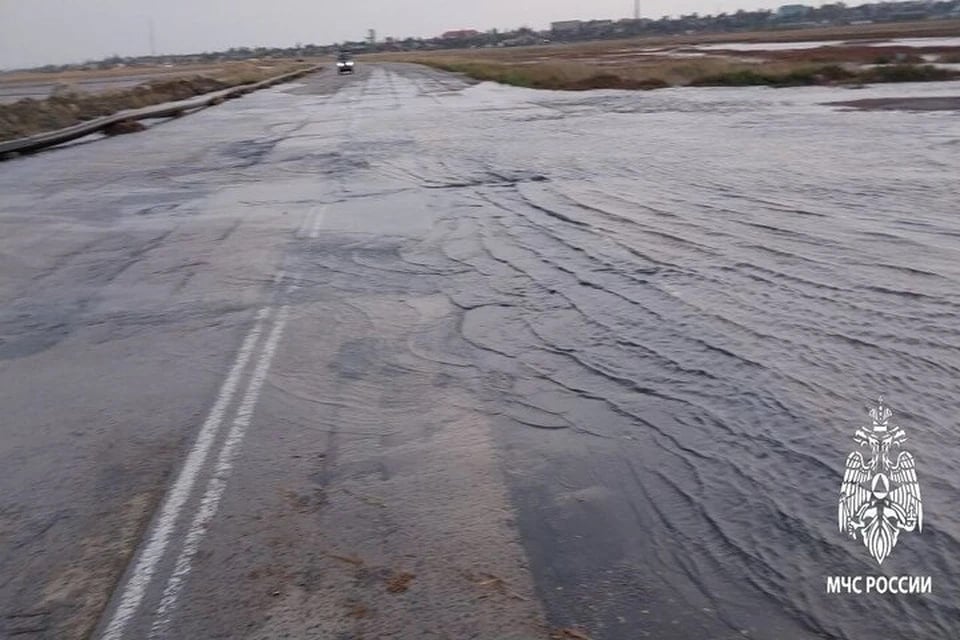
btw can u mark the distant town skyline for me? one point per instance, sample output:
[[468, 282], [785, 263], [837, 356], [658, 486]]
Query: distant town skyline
[[42, 32]]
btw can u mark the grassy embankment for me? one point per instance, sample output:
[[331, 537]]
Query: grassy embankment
[[652, 63], [70, 105]]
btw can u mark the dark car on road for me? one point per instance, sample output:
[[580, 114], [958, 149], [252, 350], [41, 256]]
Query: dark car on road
[[344, 63]]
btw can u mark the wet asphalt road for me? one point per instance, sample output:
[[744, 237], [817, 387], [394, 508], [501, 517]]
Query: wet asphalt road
[[392, 356]]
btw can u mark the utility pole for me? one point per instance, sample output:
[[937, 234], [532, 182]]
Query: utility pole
[[153, 38], [636, 9]]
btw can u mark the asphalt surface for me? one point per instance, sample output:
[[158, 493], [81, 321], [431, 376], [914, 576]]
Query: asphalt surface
[[158, 294], [392, 355]]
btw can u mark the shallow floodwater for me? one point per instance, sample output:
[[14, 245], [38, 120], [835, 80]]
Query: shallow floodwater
[[681, 304], [791, 46], [671, 309]]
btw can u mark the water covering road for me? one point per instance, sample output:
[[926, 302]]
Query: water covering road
[[533, 360]]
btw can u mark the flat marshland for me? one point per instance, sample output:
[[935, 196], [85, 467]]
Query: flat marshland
[[831, 55]]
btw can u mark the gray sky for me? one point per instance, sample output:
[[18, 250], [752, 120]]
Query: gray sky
[[36, 32]]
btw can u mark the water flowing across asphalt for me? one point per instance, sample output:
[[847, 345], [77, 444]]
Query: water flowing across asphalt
[[661, 314], [680, 304]]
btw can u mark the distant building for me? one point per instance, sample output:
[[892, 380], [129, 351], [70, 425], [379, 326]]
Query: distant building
[[566, 27], [460, 34]]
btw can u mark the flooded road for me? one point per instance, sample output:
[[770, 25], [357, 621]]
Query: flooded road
[[533, 360], [708, 289]]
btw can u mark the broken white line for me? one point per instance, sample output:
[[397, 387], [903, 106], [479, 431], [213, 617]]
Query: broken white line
[[318, 221], [218, 482], [146, 565]]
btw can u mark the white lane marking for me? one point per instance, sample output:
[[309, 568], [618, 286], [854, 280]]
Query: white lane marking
[[178, 494], [318, 221], [294, 283], [302, 229], [218, 482]]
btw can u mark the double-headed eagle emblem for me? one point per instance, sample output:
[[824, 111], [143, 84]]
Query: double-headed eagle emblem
[[880, 495]]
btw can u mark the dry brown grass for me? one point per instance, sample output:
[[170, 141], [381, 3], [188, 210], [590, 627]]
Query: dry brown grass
[[573, 75], [708, 71], [648, 63]]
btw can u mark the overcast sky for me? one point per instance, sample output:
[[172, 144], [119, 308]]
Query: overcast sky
[[37, 32]]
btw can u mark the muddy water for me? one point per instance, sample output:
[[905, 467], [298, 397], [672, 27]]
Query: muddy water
[[678, 306]]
